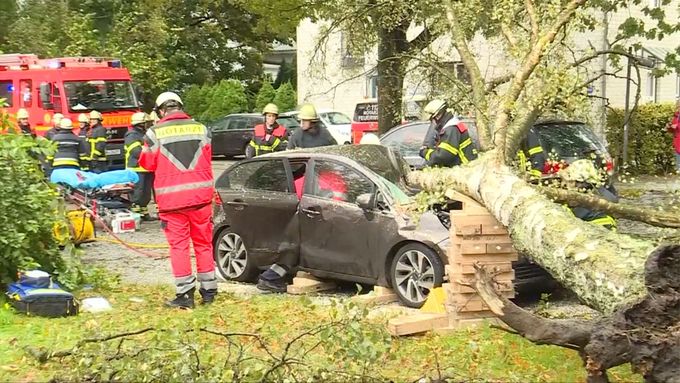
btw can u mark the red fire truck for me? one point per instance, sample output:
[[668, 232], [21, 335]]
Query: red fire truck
[[70, 86]]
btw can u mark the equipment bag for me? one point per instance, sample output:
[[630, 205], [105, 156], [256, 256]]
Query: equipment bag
[[36, 294]]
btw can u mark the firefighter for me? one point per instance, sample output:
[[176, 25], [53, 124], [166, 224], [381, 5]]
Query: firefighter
[[447, 142], [23, 126], [84, 124], [584, 177], [141, 196], [177, 151], [329, 184], [56, 120], [312, 133], [97, 141], [532, 150], [270, 136], [71, 151]]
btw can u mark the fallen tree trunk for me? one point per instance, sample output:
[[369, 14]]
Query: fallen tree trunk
[[645, 333], [603, 268]]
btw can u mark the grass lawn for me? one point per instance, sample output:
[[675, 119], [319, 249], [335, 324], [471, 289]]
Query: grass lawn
[[362, 346]]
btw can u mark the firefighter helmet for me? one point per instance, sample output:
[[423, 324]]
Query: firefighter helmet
[[56, 119], [433, 108], [22, 113], [66, 123], [82, 117], [152, 117], [581, 171], [167, 96], [271, 108], [138, 118], [308, 112], [369, 139], [94, 115]]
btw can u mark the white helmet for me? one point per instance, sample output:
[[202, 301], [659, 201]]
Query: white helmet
[[138, 118], [369, 139], [167, 96], [56, 119], [66, 123], [433, 108]]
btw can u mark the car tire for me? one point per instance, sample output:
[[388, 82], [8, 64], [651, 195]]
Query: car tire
[[415, 271], [231, 258]]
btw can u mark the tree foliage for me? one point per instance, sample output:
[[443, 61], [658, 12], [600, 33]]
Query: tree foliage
[[285, 98], [264, 96], [226, 97]]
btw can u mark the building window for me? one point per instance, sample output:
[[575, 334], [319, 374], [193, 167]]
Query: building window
[[677, 86], [349, 59], [7, 92], [651, 87], [372, 86], [447, 71]]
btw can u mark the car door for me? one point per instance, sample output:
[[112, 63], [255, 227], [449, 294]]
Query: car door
[[218, 130], [338, 236], [260, 203]]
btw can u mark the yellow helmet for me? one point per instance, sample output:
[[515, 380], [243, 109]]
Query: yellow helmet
[[66, 123], [369, 139], [94, 115], [167, 96], [433, 108], [152, 117], [581, 171], [271, 108], [22, 113], [56, 119], [308, 112], [82, 117], [138, 118]]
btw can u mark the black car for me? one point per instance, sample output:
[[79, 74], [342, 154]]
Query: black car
[[562, 141], [280, 199], [231, 134]]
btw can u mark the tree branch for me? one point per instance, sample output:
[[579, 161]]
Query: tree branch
[[496, 82], [531, 11], [509, 37], [422, 41], [476, 80]]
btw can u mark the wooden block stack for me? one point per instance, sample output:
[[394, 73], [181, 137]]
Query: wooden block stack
[[476, 237]]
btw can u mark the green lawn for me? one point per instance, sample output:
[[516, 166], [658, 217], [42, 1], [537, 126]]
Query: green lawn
[[359, 347]]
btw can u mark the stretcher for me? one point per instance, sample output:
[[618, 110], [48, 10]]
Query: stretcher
[[91, 197]]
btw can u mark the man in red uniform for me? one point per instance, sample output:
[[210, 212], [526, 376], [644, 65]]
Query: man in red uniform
[[177, 150]]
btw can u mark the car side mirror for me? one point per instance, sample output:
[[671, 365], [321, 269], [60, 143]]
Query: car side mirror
[[46, 95], [366, 201]]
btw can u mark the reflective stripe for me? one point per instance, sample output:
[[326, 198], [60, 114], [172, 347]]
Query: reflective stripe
[[604, 221], [461, 153], [448, 148], [465, 144], [428, 153], [128, 149], [183, 187], [522, 160], [65, 161], [535, 173], [535, 150]]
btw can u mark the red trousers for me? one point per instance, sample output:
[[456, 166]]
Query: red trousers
[[184, 226]]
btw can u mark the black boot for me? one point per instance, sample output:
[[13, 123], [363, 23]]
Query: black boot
[[207, 296], [277, 285], [183, 301]]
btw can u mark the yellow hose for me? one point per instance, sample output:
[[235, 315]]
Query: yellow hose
[[133, 244]]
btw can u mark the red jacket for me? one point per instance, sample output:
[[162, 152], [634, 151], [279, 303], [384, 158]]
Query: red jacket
[[675, 129], [178, 151]]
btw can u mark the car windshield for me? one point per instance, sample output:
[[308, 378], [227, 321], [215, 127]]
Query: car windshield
[[337, 118], [569, 140], [100, 95], [398, 195]]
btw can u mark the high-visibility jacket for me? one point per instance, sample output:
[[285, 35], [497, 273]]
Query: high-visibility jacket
[[178, 151], [97, 140], [531, 150], [597, 217], [453, 147], [71, 152], [134, 139], [269, 140]]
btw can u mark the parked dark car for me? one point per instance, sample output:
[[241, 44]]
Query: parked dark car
[[566, 140], [231, 134], [363, 238]]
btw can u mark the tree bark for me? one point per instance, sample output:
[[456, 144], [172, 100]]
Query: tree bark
[[603, 268], [392, 43]]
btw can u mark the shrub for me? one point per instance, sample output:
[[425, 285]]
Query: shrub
[[650, 146], [286, 98], [265, 95], [226, 97]]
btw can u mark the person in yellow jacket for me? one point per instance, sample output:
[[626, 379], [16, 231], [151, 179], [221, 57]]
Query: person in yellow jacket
[[97, 140], [134, 141]]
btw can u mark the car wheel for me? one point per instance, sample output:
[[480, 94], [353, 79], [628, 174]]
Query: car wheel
[[231, 258], [415, 271]]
